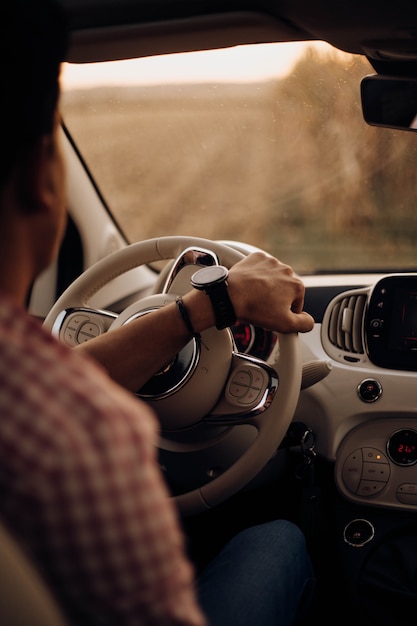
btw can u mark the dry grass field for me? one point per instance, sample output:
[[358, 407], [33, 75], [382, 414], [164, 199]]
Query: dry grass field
[[181, 163], [259, 163]]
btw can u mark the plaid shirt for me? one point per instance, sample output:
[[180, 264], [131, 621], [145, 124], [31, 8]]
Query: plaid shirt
[[81, 488]]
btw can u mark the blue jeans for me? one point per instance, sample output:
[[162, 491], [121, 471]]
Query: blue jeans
[[262, 577]]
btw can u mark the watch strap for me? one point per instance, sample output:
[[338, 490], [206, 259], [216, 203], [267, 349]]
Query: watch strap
[[222, 305]]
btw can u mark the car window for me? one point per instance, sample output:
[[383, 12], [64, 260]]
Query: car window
[[279, 156]]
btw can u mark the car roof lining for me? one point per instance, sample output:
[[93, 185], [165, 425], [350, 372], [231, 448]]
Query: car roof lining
[[186, 35], [110, 29]]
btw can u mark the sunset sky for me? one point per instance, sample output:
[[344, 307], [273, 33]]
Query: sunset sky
[[241, 63]]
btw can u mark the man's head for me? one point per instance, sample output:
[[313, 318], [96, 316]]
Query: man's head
[[33, 43]]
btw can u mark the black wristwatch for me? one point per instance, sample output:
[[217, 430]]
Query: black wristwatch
[[213, 281]]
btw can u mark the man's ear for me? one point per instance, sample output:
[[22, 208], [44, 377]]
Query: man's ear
[[33, 176]]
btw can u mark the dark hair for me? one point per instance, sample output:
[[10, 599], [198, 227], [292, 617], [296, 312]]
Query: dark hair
[[33, 43]]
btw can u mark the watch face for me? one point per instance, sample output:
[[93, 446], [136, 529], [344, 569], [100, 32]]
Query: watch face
[[210, 275]]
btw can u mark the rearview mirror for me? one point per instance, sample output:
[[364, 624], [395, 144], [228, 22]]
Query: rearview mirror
[[390, 102]]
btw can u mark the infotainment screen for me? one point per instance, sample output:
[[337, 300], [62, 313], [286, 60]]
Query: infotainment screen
[[391, 322]]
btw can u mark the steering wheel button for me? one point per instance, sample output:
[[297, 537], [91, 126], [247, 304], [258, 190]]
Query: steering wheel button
[[69, 336], [250, 397], [76, 320], [242, 377], [237, 391], [258, 378], [88, 331]]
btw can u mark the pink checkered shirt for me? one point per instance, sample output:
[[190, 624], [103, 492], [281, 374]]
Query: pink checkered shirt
[[80, 486]]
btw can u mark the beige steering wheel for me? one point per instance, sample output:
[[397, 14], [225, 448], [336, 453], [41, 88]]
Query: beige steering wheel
[[222, 414]]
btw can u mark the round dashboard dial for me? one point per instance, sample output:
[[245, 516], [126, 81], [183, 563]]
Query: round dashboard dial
[[402, 447], [254, 341], [243, 335]]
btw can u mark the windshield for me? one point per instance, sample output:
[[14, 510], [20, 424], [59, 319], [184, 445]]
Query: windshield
[[277, 156]]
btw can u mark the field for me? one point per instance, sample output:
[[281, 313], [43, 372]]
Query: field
[[299, 175]]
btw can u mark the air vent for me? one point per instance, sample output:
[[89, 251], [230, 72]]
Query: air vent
[[345, 324], [342, 326]]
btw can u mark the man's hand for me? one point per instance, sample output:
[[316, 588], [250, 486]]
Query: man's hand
[[267, 293]]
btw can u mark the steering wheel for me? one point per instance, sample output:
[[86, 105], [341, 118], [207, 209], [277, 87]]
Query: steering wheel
[[222, 414]]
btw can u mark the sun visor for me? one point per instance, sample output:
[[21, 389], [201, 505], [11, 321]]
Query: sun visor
[[183, 35]]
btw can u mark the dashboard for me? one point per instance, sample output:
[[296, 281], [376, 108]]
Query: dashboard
[[363, 414], [362, 408]]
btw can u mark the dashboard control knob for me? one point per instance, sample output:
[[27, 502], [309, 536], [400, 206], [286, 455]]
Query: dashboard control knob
[[358, 532], [369, 390]]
